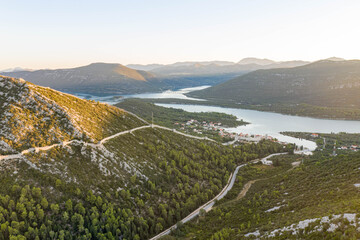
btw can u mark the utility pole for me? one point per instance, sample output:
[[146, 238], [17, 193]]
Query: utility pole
[[152, 119], [334, 150]]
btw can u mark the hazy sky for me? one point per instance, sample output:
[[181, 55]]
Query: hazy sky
[[53, 34]]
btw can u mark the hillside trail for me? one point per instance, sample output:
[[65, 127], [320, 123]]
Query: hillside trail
[[248, 185], [245, 189]]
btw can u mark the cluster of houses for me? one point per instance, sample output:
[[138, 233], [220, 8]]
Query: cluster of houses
[[354, 148], [198, 127]]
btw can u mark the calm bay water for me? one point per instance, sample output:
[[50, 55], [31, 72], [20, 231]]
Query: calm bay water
[[113, 99], [178, 94], [273, 123]]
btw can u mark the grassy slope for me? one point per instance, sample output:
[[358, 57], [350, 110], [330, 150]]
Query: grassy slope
[[320, 187], [96, 119], [36, 116]]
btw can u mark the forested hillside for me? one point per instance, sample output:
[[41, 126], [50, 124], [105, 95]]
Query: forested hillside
[[131, 186], [314, 197]]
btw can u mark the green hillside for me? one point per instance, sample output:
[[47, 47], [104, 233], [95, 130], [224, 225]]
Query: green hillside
[[130, 187], [297, 198], [322, 89]]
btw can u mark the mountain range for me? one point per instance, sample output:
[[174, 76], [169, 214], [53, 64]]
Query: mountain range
[[108, 78], [215, 67], [326, 83], [113, 79], [15, 69]]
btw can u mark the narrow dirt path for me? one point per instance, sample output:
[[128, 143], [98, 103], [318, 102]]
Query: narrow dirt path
[[248, 185], [246, 189]]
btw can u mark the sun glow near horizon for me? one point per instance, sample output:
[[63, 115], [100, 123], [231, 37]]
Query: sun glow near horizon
[[45, 34]]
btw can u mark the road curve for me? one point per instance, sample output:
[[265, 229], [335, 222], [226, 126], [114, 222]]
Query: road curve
[[208, 206], [121, 133], [46, 148], [184, 134]]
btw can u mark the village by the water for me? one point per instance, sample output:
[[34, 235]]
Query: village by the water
[[217, 129]]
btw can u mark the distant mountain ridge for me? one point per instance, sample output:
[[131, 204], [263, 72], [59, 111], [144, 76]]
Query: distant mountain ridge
[[15, 69], [117, 79], [215, 67], [324, 83], [257, 61], [96, 77]]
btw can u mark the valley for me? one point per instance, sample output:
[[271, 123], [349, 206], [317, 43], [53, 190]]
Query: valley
[[180, 120], [155, 180]]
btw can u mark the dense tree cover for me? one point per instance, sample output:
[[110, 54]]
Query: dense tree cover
[[320, 186], [26, 214], [153, 179]]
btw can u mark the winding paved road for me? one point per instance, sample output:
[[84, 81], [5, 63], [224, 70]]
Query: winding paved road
[[208, 206], [46, 148]]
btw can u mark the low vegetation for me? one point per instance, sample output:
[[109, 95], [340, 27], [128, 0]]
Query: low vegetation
[[33, 116]]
